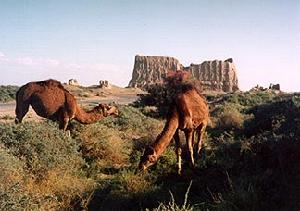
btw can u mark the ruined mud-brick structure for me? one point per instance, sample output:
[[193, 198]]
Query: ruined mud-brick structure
[[104, 84], [73, 82], [214, 75]]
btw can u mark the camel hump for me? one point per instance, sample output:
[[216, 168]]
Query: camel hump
[[192, 108], [50, 83], [26, 91]]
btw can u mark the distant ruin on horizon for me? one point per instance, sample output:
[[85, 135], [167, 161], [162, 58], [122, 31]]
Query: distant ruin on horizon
[[214, 75]]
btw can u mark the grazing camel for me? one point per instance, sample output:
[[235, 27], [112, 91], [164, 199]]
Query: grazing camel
[[190, 114], [49, 99]]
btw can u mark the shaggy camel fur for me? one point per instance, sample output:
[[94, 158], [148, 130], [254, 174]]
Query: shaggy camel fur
[[190, 114], [49, 99]]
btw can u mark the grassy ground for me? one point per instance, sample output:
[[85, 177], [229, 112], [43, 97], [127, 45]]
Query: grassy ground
[[249, 161]]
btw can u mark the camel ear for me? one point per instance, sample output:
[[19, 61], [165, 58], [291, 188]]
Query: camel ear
[[103, 107]]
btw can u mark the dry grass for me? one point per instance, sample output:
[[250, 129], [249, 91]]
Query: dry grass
[[227, 117], [11, 169], [103, 144], [231, 119], [61, 185], [133, 183]]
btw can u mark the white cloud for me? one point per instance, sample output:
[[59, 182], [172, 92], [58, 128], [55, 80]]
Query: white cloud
[[3, 58], [73, 66], [28, 61], [43, 68], [24, 61]]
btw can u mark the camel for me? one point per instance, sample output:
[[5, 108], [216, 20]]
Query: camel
[[190, 113], [49, 99]]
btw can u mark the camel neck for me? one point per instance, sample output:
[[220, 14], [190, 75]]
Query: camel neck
[[87, 117], [164, 139]]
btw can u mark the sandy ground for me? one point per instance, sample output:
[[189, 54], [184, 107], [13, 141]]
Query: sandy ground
[[121, 96]]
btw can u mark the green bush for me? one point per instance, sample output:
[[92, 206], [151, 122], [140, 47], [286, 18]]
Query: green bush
[[261, 166], [44, 165], [8, 93], [41, 145], [103, 145], [13, 195], [228, 117], [133, 123], [250, 98], [280, 117]]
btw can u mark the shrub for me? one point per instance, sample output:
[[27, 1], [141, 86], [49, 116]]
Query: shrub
[[41, 145], [11, 176], [280, 117], [133, 123], [132, 183], [228, 117], [11, 169], [8, 93], [45, 167], [231, 119], [103, 145], [262, 166], [250, 99]]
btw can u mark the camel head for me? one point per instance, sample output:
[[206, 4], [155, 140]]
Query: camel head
[[17, 121], [107, 110], [112, 110], [148, 158]]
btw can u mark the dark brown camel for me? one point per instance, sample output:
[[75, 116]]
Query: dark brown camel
[[190, 114], [49, 99]]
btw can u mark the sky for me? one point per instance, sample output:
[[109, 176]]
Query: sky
[[93, 40]]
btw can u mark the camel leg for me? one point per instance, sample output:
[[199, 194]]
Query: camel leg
[[178, 150], [201, 133], [193, 139], [63, 122], [189, 141], [63, 125], [22, 108]]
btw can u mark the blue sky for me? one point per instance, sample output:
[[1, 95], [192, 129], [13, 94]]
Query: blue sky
[[97, 40]]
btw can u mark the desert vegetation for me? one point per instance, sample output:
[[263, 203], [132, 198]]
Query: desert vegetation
[[249, 160], [8, 93]]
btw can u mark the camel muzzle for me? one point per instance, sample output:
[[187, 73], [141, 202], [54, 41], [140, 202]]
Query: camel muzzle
[[142, 167]]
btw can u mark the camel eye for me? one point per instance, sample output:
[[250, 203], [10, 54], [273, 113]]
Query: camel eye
[[149, 151]]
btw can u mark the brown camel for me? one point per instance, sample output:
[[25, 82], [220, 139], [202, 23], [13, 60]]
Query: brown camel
[[49, 99], [190, 114]]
